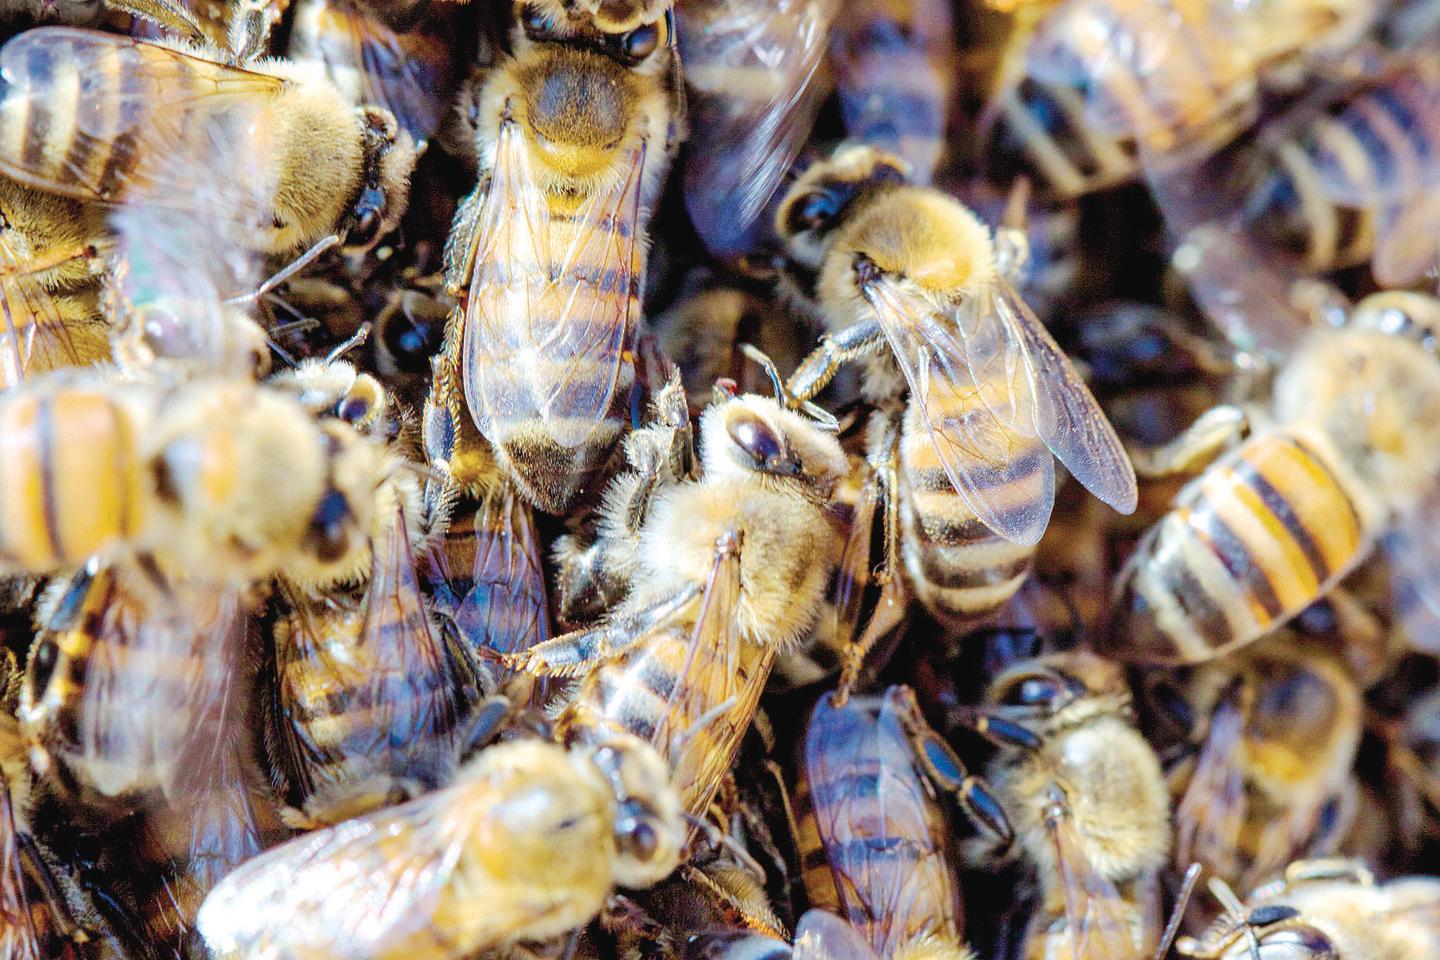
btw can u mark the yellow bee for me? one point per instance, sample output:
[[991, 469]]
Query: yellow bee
[[756, 74], [527, 843], [104, 119], [575, 130], [896, 73], [49, 273], [1272, 524], [1325, 909], [909, 281], [732, 571], [1272, 778], [880, 856], [1088, 800]]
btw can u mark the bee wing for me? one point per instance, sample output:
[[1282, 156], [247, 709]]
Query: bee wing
[[1413, 548], [178, 120], [35, 336], [507, 609], [1210, 815], [411, 74], [19, 938], [824, 936], [411, 683], [885, 891], [536, 347], [352, 891], [1066, 415], [966, 378], [1407, 242], [1099, 922], [754, 69], [1163, 72]]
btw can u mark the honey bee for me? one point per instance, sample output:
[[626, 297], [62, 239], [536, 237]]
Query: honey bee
[[483, 562], [909, 281], [1088, 800], [879, 857], [222, 479], [896, 75], [72, 123], [49, 273], [1273, 774], [1323, 909], [368, 701], [1274, 523], [575, 131], [756, 74], [527, 843], [732, 571], [410, 72]]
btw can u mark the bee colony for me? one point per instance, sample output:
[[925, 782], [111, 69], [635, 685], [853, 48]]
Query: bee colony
[[720, 479]]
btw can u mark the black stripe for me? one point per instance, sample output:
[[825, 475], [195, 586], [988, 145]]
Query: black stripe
[[1201, 610], [1310, 455], [1276, 503], [45, 430], [1405, 118], [1053, 117], [1238, 561], [952, 574], [122, 155]]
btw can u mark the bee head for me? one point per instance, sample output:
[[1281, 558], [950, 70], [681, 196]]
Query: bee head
[[649, 824], [754, 436], [824, 194], [390, 156]]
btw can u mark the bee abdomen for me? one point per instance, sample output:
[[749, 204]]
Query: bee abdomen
[[70, 478], [1042, 129], [1257, 538]]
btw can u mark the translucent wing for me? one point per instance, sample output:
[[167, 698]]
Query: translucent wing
[[411, 74], [147, 118], [1164, 72], [824, 936], [506, 608], [40, 330], [876, 819], [1210, 815], [548, 332], [1413, 548], [1407, 242], [1379, 148], [967, 378], [409, 681], [1066, 415], [355, 890], [1100, 924], [754, 68]]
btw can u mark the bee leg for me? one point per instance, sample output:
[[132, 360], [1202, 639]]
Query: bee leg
[[1000, 731], [168, 15], [948, 772], [573, 654], [1216, 431]]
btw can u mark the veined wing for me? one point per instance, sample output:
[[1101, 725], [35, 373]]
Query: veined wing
[[1100, 924]]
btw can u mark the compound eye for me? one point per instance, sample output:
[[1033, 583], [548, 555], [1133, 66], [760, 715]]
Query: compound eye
[[366, 229], [813, 211], [640, 42], [755, 437], [537, 23], [1032, 691], [637, 838], [329, 534]]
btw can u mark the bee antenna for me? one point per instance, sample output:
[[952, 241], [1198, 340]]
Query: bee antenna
[[357, 340], [722, 839], [284, 355], [1233, 908], [288, 271]]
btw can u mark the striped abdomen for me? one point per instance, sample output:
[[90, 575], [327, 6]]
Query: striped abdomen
[[72, 480], [85, 107], [872, 840], [637, 694], [959, 568], [1258, 537], [372, 707], [1040, 129], [561, 334], [1329, 185]]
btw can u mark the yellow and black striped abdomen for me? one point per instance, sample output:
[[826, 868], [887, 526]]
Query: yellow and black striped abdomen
[[72, 479], [660, 693], [958, 567], [1254, 540]]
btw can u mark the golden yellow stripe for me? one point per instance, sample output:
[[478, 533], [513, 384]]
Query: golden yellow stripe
[[1275, 552], [22, 487], [89, 460], [1318, 501]]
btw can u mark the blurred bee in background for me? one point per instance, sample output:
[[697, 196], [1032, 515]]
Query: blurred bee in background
[[872, 838], [108, 119], [1324, 908], [732, 570], [1341, 457], [49, 289], [527, 843], [1088, 800], [408, 69], [896, 75], [1272, 777], [368, 701], [909, 281], [756, 74], [575, 130]]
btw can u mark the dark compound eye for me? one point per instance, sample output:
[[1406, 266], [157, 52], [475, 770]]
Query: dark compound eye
[[637, 838], [354, 409], [640, 42], [366, 229], [537, 22], [330, 527], [42, 665], [1032, 692], [755, 437], [816, 210]]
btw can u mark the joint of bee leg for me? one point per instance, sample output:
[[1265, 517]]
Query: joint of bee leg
[[983, 809], [1005, 733]]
